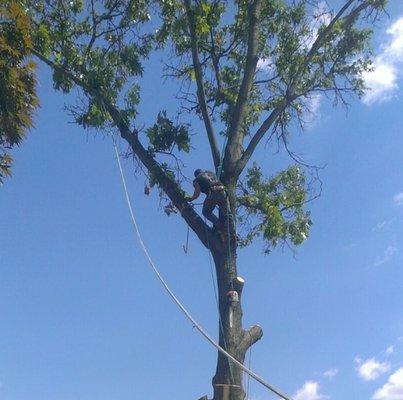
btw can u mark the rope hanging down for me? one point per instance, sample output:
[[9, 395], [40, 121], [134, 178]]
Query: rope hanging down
[[177, 301]]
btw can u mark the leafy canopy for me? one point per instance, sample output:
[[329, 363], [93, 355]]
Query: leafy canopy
[[247, 68], [17, 81]]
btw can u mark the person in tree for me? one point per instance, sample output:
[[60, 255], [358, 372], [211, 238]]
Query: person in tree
[[206, 182]]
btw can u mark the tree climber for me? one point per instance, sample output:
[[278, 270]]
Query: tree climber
[[206, 182]]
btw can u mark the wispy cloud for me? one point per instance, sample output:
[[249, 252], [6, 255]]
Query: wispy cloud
[[383, 80], [371, 369], [390, 350], [380, 226], [393, 389], [313, 102], [331, 373], [309, 391], [398, 199], [388, 254]]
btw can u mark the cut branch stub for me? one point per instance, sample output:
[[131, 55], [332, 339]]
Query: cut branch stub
[[250, 337], [238, 284]]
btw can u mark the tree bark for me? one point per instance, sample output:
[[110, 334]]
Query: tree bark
[[227, 381]]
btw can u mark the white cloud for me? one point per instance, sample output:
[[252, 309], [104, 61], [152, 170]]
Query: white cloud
[[396, 30], [264, 64], [331, 373], [398, 199], [311, 104], [389, 350], [371, 369], [310, 391], [388, 254], [382, 81], [393, 389]]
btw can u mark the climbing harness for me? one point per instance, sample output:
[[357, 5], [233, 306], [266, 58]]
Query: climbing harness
[[177, 301]]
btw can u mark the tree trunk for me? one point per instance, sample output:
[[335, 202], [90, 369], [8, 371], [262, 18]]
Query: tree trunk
[[227, 381]]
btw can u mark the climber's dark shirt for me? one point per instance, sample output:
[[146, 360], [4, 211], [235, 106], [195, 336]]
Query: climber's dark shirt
[[205, 183]]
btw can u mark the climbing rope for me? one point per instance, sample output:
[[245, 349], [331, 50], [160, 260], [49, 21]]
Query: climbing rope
[[248, 379], [186, 246], [177, 301]]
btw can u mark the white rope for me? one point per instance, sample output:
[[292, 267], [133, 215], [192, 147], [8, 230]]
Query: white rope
[[177, 301]]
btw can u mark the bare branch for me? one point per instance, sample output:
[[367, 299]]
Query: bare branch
[[257, 137], [322, 37], [250, 337], [200, 86], [216, 63], [235, 134]]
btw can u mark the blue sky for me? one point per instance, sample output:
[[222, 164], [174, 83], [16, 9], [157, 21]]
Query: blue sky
[[83, 317]]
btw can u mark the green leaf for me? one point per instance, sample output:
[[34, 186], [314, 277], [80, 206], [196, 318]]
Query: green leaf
[[164, 135], [274, 206]]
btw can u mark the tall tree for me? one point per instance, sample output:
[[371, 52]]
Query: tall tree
[[249, 70], [18, 99]]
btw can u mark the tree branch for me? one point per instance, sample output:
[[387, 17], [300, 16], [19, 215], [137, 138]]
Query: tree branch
[[170, 187], [257, 137], [290, 95], [323, 36], [200, 86], [235, 133], [250, 337], [215, 61]]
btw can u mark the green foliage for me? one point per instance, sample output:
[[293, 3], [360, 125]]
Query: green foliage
[[102, 47], [105, 46], [287, 33], [18, 99], [100, 44], [95, 115], [274, 208], [42, 39], [164, 135]]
